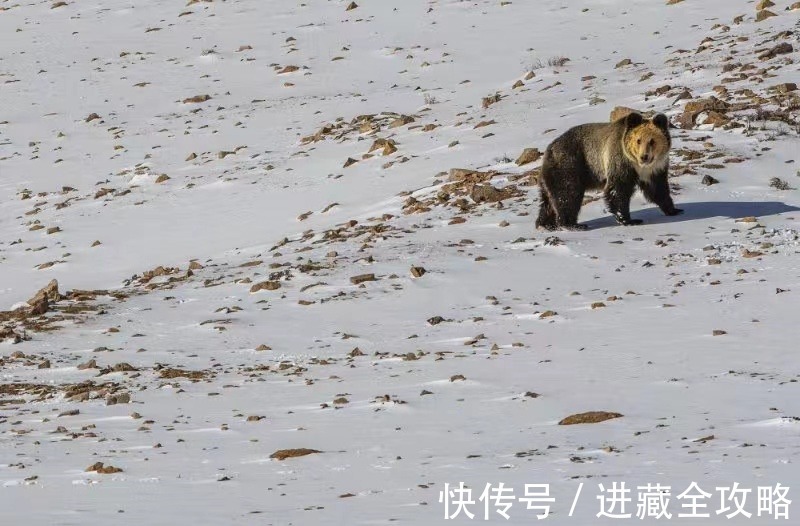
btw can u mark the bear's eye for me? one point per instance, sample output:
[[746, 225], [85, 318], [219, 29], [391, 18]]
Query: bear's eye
[[638, 141], [652, 142]]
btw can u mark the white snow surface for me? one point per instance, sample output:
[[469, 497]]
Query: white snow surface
[[649, 354]]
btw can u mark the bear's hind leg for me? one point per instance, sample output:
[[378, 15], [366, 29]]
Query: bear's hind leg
[[563, 183], [547, 216], [569, 202]]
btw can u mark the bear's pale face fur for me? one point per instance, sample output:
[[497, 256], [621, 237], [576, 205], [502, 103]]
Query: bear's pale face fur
[[647, 147]]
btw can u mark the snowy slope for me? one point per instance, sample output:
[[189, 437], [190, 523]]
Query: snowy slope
[[220, 376]]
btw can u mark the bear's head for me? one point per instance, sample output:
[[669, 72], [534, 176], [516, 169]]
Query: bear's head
[[646, 142]]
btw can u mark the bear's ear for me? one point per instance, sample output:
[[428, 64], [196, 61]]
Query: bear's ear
[[633, 120], [661, 121]]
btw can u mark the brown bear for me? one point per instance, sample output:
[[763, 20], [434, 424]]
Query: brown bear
[[616, 157]]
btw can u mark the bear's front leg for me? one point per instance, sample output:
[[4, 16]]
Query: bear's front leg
[[618, 202], [657, 191]]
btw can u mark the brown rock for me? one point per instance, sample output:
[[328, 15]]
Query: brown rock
[[361, 278], [91, 364], [711, 103], [401, 121], [763, 4], [528, 155], [119, 398], [465, 175], [781, 49], [387, 145], [99, 467], [784, 88], [41, 301], [491, 99], [351, 6], [265, 285], [283, 454], [418, 272], [196, 99], [694, 108], [591, 417], [486, 193], [716, 118], [764, 14]]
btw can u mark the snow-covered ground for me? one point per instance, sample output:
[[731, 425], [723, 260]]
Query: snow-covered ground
[[219, 306]]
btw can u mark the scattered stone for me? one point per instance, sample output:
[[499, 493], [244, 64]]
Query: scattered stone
[[283, 454], [784, 88], [781, 49], [362, 278], [119, 398], [779, 184], [91, 364], [591, 417], [196, 99], [41, 301], [99, 467], [528, 155], [486, 193], [265, 285], [764, 14]]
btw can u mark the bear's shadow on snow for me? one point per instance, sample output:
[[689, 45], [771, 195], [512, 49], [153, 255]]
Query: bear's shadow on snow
[[702, 210]]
